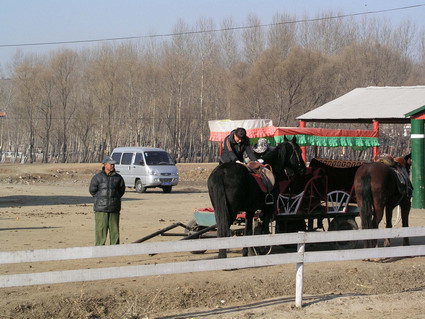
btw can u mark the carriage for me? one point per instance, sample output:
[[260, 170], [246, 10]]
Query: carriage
[[322, 199], [316, 201]]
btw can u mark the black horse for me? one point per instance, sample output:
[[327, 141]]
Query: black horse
[[233, 189], [339, 178], [378, 187]]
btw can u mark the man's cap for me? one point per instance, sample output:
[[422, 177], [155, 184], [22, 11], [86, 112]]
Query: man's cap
[[240, 132], [109, 160]]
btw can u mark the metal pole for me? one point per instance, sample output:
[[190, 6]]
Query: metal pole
[[417, 142], [303, 148], [160, 232], [376, 148], [299, 277]]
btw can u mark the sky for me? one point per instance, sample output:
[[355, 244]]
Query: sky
[[47, 21]]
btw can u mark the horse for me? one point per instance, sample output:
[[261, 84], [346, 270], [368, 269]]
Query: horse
[[233, 189], [339, 178], [377, 186]]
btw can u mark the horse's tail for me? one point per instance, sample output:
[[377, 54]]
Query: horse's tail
[[219, 200], [367, 202]]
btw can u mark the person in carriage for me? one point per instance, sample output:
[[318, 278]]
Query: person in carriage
[[261, 148], [235, 146]]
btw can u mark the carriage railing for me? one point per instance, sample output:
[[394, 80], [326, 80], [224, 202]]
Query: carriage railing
[[312, 198], [340, 174], [289, 204], [338, 202], [315, 198]]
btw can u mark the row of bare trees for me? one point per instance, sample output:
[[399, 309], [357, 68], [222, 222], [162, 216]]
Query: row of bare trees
[[76, 106]]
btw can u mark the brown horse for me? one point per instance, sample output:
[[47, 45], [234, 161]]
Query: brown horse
[[378, 186]]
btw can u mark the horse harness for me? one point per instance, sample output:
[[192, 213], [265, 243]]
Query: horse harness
[[264, 176], [293, 153]]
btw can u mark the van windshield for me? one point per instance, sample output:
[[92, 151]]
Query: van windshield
[[158, 158]]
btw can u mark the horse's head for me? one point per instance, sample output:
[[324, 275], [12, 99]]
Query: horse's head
[[286, 159]]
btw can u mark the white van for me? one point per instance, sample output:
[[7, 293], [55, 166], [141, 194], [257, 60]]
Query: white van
[[146, 167]]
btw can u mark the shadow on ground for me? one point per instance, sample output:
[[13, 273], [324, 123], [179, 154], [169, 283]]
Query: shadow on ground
[[25, 200]]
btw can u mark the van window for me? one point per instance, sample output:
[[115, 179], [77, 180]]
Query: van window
[[126, 158], [158, 158], [116, 157], [139, 159]]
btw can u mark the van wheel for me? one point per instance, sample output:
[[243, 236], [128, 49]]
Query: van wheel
[[167, 189], [139, 187]]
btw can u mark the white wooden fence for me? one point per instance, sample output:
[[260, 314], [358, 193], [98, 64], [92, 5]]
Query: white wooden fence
[[299, 258]]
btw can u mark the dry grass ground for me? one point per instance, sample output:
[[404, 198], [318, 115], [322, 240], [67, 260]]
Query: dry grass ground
[[48, 206]]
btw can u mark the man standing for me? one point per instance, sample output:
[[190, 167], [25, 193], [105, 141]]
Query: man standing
[[107, 187], [235, 145]]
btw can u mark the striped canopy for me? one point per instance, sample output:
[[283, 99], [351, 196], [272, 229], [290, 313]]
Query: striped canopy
[[357, 139]]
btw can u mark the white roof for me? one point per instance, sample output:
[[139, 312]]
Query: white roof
[[385, 104]]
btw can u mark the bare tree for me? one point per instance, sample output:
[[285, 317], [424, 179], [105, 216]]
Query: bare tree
[[162, 91], [46, 109], [63, 65], [327, 34], [6, 104], [374, 64], [404, 38], [282, 34], [229, 44], [25, 79], [253, 39], [178, 58]]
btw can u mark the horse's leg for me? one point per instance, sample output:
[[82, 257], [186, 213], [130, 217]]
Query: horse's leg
[[388, 222], [377, 217], [366, 203], [405, 206], [267, 215], [362, 217], [249, 216], [223, 230]]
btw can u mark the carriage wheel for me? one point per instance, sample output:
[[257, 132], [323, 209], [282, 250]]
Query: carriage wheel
[[344, 223], [261, 250], [193, 228]]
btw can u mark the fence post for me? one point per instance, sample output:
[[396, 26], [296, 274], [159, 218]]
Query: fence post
[[299, 276]]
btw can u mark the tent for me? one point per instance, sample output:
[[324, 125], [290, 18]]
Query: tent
[[256, 128]]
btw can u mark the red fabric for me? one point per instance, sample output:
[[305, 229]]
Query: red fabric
[[260, 182], [207, 209], [271, 131], [241, 215], [323, 132], [283, 185]]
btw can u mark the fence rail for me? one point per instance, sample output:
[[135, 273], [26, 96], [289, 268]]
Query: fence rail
[[299, 258]]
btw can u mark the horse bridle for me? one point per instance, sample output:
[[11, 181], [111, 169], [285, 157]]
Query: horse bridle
[[294, 152]]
